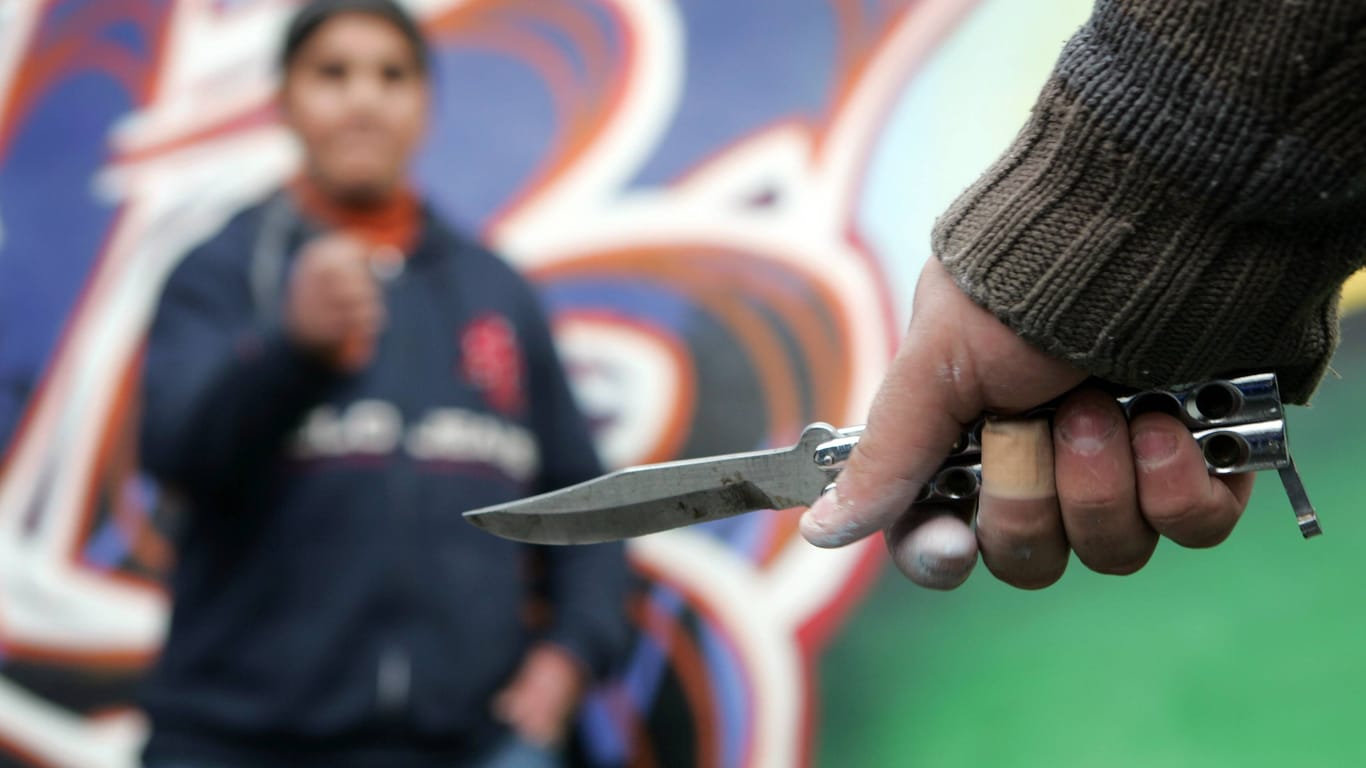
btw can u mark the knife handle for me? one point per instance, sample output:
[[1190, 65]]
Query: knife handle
[[1238, 423]]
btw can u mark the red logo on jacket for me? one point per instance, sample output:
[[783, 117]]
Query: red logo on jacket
[[492, 362]]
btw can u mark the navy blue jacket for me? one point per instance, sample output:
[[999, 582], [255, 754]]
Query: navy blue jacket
[[331, 606]]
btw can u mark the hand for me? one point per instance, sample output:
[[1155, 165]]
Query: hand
[[335, 308], [543, 696], [1095, 484]]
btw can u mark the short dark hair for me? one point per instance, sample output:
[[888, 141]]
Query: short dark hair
[[311, 16]]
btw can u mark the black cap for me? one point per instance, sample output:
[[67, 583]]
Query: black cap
[[311, 16]]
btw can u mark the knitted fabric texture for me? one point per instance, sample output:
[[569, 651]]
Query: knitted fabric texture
[[1187, 197]]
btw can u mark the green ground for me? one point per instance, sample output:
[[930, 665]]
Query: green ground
[[1250, 654]]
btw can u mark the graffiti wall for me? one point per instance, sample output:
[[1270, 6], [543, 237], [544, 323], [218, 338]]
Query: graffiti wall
[[724, 205]]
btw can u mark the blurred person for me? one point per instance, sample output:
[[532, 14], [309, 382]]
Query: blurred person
[[329, 382], [1186, 200]]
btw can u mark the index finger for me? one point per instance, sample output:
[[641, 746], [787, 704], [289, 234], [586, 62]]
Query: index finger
[[337, 252]]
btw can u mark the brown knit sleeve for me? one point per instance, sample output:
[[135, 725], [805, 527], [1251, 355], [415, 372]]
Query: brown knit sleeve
[[1187, 197]]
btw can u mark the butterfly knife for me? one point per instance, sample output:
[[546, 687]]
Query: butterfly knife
[[1238, 423]]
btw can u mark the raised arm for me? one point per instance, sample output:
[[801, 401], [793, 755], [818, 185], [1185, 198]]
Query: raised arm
[[1186, 200]]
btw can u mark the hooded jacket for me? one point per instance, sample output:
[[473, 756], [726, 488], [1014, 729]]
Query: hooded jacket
[[331, 606]]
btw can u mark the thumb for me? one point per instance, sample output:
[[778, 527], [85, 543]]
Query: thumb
[[956, 361], [915, 419], [503, 704]]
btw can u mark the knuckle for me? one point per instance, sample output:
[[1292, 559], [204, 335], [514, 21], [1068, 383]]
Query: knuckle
[[1210, 535], [1017, 530], [1094, 502], [1193, 525], [1171, 517]]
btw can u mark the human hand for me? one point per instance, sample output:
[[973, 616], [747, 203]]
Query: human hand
[[335, 308], [1093, 484], [542, 696]]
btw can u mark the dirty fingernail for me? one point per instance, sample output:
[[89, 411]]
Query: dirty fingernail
[[1154, 447], [939, 554], [828, 522], [1086, 430]]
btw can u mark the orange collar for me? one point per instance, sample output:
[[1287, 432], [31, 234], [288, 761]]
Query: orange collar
[[396, 223]]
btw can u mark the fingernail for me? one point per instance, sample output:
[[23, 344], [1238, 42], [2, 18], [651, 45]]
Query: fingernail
[[944, 553], [1086, 430], [1154, 447], [828, 522]]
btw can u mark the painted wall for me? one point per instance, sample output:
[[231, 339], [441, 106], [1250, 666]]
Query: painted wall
[[724, 204]]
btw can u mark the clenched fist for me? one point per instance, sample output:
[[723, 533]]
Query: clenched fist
[[335, 308], [540, 701], [1093, 483]]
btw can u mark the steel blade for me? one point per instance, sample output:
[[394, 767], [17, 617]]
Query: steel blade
[[649, 499]]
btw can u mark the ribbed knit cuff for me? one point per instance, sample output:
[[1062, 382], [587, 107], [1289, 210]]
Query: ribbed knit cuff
[[1154, 222]]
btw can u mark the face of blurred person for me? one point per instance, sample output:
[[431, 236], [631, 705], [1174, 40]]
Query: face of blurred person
[[356, 95]]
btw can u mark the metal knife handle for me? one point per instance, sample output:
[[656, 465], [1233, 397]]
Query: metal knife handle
[[1238, 424]]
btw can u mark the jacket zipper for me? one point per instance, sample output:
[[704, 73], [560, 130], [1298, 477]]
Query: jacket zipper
[[394, 671], [394, 680]]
